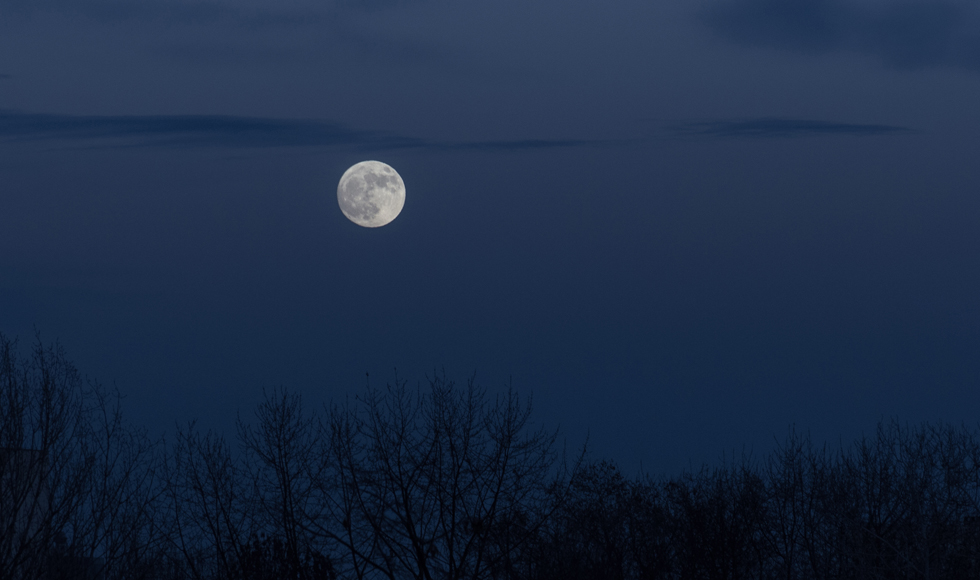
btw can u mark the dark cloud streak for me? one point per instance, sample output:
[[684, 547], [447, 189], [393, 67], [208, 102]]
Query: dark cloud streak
[[228, 131], [167, 11], [527, 144], [190, 131], [904, 34], [772, 127], [252, 132]]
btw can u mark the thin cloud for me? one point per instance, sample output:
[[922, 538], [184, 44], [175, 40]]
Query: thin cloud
[[189, 131], [169, 11], [255, 14], [524, 144], [230, 132], [773, 127], [903, 33]]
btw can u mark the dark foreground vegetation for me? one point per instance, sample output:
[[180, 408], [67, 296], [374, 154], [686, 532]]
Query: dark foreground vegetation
[[443, 482]]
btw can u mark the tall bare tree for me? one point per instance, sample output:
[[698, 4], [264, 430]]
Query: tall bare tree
[[590, 539], [285, 460], [77, 486], [211, 510], [442, 484]]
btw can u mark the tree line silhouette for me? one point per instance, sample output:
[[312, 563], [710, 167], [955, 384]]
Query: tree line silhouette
[[444, 482]]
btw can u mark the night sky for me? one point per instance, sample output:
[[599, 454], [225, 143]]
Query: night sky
[[681, 226]]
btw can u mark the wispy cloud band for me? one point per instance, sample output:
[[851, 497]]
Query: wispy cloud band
[[170, 11], [189, 130], [776, 127], [185, 131], [230, 131]]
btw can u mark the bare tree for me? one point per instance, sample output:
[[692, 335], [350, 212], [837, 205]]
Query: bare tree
[[43, 468], [798, 534], [76, 483], [903, 498], [442, 485], [717, 522], [119, 520], [211, 513], [590, 538], [284, 460]]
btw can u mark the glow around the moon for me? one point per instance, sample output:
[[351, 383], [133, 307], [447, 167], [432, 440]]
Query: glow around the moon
[[371, 194]]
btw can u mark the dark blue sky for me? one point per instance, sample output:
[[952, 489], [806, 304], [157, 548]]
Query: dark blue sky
[[681, 226]]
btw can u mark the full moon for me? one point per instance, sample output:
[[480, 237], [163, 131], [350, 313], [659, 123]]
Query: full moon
[[371, 194]]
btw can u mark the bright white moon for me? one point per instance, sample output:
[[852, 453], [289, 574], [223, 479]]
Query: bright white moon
[[371, 194]]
